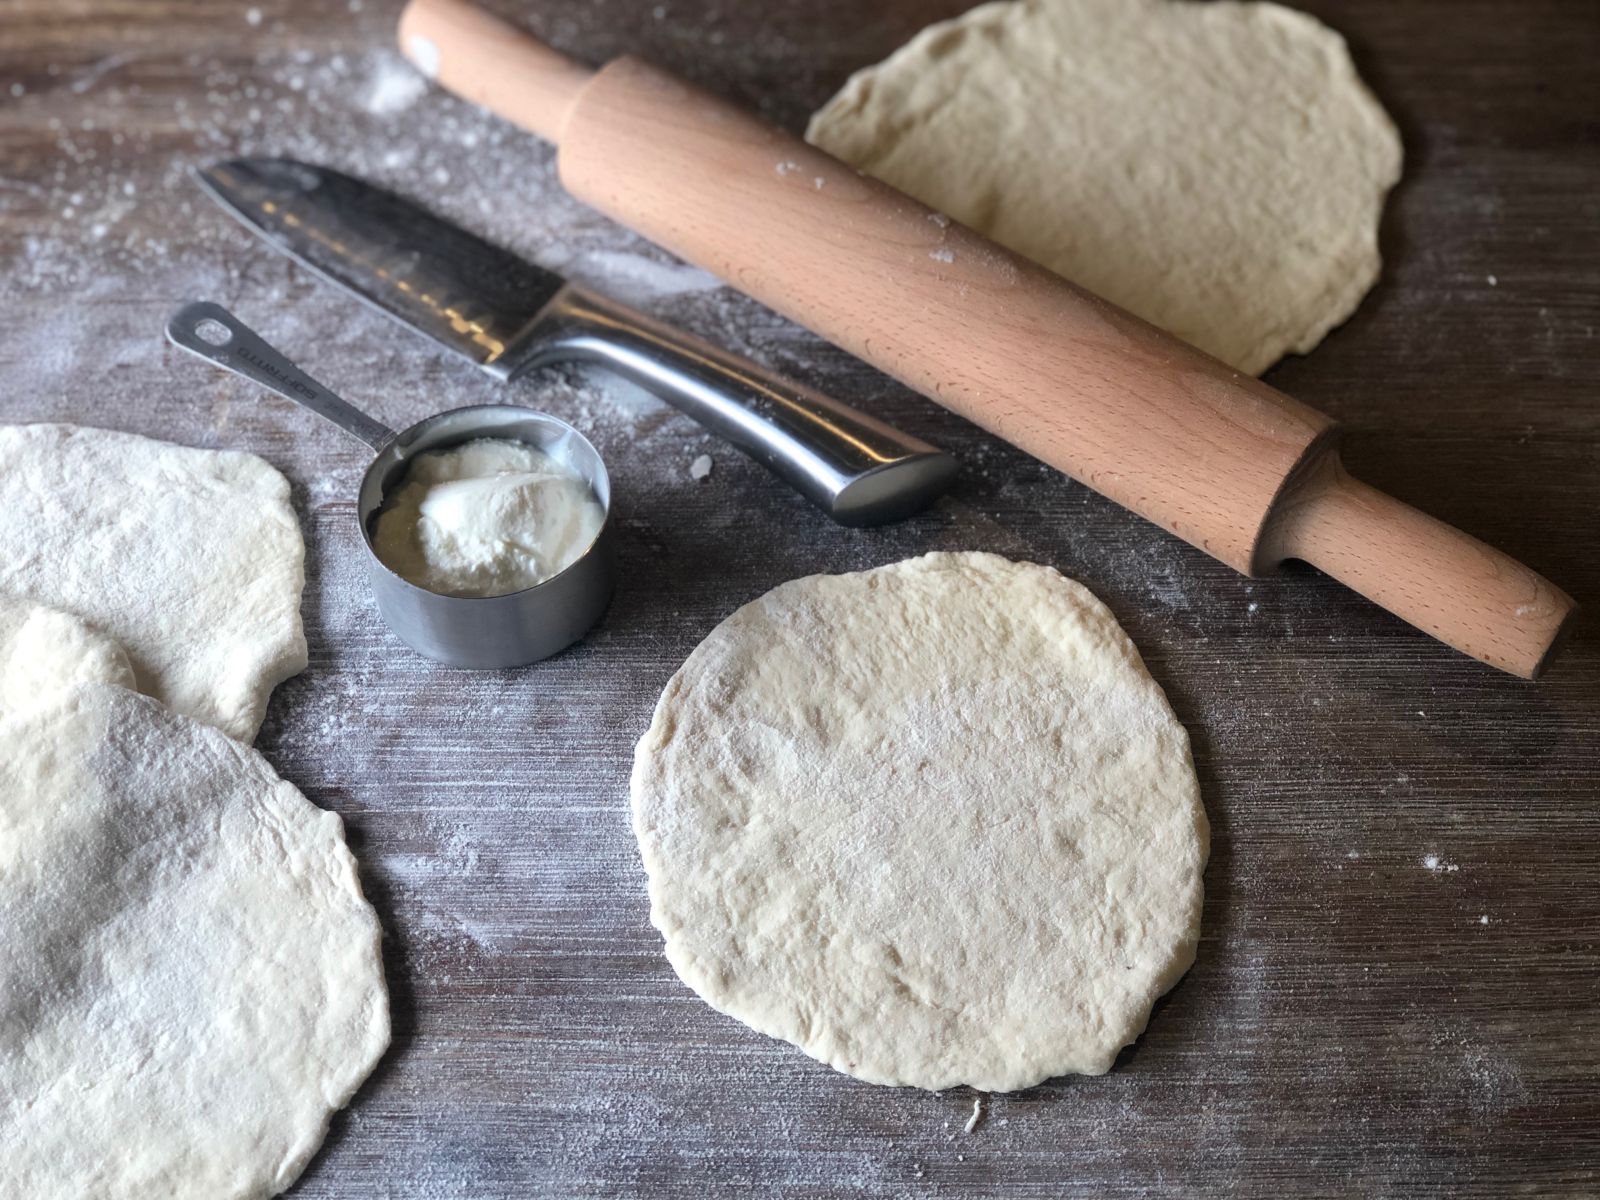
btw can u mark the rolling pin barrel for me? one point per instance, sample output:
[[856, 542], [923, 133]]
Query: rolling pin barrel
[[1242, 471], [1465, 593]]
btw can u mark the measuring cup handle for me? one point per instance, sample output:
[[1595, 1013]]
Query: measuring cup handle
[[216, 335]]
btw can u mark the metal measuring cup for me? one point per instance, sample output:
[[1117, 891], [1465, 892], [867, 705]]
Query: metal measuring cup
[[465, 631]]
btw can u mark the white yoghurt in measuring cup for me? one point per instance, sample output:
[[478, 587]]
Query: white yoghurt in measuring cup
[[485, 518]]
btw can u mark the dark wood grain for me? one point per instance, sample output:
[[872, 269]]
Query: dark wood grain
[[1356, 1024]]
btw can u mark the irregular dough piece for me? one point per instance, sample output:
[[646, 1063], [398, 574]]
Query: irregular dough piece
[[1218, 168], [191, 559], [44, 652], [190, 979], [932, 823]]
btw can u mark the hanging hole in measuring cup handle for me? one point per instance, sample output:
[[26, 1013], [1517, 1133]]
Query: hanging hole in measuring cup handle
[[206, 329], [213, 332]]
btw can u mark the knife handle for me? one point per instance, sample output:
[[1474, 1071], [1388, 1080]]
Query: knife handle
[[857, 469]]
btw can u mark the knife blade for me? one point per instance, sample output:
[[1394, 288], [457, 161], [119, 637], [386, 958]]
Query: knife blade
[[468, 295]]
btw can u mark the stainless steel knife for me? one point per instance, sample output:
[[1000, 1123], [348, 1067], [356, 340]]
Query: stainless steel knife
[[508, 316]]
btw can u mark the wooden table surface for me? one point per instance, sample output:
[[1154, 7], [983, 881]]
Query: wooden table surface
[[1358, 1022]]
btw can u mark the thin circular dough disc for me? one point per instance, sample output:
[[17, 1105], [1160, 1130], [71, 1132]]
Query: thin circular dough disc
[[44, 652], [1219, 169], [933, 823], [191, 560], [190, 980]]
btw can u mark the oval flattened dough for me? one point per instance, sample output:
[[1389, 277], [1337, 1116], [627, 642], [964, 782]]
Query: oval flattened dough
[[933, 823], [1218, 169], [190, 979]]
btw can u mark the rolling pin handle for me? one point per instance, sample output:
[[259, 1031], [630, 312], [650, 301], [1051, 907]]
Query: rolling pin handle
[[1449, 584], [482, 59]]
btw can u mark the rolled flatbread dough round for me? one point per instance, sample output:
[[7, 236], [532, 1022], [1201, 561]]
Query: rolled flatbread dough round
[[44, 652], [932, 823], [191, 560], [1219, 169], [190, 979]]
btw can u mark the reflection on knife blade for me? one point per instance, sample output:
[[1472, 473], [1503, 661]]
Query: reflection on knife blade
[[456, 288]]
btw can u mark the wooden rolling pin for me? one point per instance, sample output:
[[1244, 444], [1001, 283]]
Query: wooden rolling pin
[[1218, 458]]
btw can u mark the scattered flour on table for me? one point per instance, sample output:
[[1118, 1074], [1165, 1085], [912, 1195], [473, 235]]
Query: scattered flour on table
[[449, 869], [393, 86], [1438, 865], [1484, 1076]]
